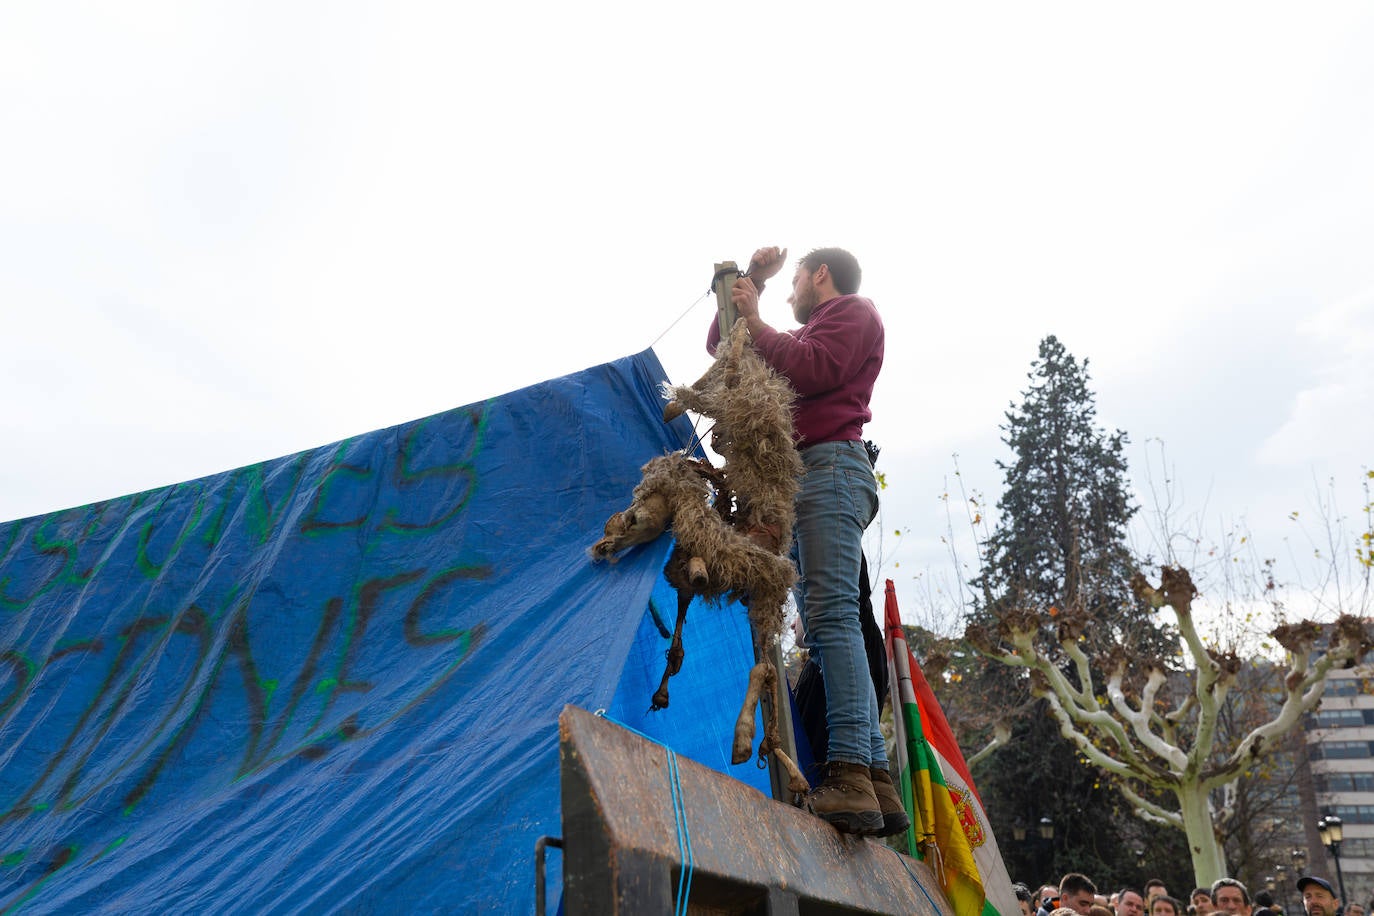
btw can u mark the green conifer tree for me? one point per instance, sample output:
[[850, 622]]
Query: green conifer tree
[[1060, 540], [1060, 546]]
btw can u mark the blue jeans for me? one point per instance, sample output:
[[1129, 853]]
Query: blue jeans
[[838, 500]]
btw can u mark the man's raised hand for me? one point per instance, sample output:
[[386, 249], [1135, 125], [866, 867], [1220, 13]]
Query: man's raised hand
[[765, 263]]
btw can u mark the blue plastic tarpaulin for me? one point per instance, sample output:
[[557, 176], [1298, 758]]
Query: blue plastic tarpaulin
[[330, 682]]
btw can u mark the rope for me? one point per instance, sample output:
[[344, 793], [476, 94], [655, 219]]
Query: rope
[[720, 275], [684, 837], [680, 317], [698, 438], [914, 880], [715, 278]]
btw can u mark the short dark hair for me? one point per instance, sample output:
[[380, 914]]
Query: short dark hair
[[1129, 890], [1179, 909], [1155, 882], [1022, 892], [1073, 883], [1264, 898], [1201, 890], [1231, 882], [844, 268]]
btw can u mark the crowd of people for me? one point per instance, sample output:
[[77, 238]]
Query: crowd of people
[[1077, 895]]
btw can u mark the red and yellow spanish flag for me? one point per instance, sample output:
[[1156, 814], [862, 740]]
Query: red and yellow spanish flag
[[949, 830]]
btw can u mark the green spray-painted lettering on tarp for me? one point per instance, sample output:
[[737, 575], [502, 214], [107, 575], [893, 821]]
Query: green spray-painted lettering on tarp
[[320, 678]]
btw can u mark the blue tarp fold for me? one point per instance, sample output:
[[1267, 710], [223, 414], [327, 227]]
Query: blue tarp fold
[[330, 682]]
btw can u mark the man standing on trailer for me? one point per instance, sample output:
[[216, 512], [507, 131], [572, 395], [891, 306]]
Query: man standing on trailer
[[832, 362]]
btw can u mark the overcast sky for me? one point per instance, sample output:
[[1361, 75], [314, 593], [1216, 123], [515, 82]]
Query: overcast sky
[[231, 231]]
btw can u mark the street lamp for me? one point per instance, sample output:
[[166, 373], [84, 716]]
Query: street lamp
[[1282, 871], [1300, 861], [1331, 833], [1047, 835]]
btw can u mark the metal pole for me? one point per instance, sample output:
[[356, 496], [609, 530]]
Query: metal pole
[[1340, 879], [727, 272], [782, 709]]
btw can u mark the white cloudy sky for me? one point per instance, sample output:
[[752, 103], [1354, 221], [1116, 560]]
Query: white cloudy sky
[[230, 231]]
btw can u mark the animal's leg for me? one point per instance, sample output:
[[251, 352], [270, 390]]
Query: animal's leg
[[796, 782], [675, 652], [772, 740], [770, 719], [744, 725], [696, 574]]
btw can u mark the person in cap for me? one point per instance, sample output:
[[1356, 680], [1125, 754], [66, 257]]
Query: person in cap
[[1318, 896]]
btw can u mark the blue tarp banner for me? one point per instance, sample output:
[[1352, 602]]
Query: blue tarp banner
[[330, 682]]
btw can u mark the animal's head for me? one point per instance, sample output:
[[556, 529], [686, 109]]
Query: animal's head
[[644, 521]]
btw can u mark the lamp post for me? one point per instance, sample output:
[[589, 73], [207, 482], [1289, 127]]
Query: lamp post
[[1332, 832], [1281, 871], [1018, 833], [1047, 835], [1300, 861]]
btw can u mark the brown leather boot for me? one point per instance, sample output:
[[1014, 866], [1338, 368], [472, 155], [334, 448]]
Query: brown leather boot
[[845, 799], [895, 819]]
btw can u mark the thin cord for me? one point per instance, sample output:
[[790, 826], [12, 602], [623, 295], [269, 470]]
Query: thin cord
[[697, 441], [684, 880], [698, 438], [680, 317], [915, 880], [684, 837]]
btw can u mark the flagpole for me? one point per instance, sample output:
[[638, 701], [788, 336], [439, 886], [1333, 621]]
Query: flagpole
[[954, 837], [899, 729]]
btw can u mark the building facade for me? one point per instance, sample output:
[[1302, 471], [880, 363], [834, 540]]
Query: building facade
[[1340, 743]]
